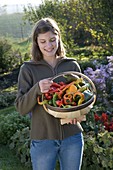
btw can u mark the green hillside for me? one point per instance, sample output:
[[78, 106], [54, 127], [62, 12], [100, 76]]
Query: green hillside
[[12, 25]]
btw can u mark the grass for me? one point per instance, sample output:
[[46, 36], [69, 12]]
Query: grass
[[24, 46], [9, 161], [7, 111]]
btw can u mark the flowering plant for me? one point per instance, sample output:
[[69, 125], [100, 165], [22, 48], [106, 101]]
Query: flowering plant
[[104, 120], [102, 77]]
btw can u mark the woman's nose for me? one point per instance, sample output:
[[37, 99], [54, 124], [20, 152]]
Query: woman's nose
[[49, 44]]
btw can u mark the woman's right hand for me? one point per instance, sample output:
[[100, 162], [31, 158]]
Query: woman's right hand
[[45, 85]]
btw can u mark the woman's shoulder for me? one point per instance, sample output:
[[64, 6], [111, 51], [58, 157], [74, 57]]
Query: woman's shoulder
[[28, 63], [69, 59]]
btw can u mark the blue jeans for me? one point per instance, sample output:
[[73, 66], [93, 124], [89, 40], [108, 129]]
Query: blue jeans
[[69, 152]]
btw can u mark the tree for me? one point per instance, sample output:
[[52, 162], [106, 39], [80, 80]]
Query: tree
[[82, 22]]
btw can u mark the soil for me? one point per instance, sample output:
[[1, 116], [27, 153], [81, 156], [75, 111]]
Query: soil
[[9, 79]]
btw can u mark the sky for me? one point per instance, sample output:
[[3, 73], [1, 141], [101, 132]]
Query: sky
[[17, 2]]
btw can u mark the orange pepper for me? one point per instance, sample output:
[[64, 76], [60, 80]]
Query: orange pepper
[[80, 101], [68, 98]]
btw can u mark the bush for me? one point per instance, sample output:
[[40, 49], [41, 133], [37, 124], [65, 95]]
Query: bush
[[9, 59], [7, 99], [10, 123], [20, 142], [98, 153]]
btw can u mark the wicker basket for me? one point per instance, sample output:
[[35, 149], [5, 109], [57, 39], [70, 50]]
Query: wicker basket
[[74, 111]]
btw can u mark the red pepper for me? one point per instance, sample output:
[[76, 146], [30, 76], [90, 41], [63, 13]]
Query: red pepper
[[59, 102], [63, 86], [48, 96], [62, 83], [51, 91], [55, 84], [60, 93]]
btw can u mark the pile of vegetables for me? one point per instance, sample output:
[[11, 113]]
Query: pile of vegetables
[[66, 95]]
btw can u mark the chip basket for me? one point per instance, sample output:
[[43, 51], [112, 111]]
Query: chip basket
[[75, 111]]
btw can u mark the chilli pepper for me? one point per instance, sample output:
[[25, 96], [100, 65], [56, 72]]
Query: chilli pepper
[[41, 102], [59, 94], [62, 83], [55, 97], [84, 87], [55, 84]]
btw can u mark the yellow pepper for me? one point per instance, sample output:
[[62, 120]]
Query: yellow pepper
[[71, 89]]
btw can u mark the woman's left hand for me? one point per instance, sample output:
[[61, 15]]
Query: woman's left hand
[[73, 121]]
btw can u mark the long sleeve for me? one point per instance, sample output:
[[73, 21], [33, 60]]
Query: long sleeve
[[27, 92]]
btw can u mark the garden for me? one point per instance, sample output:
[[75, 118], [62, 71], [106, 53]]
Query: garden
[[90, 43]]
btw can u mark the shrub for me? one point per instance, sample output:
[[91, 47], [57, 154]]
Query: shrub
[[7, 99], [9, 59], [20, 142], [10, 123], [98, 153]]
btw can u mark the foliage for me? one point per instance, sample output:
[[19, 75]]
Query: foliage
[[81, 22], [7, 110], [8, 160], [20, 142], [8, 56], [98, 153], [7, 99], [10, 123]]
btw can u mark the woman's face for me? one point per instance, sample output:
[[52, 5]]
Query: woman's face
[[48, 44]]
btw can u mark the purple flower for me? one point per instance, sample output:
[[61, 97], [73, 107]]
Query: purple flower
[[100, 77]]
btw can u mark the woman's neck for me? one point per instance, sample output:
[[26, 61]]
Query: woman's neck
[[51, 61]]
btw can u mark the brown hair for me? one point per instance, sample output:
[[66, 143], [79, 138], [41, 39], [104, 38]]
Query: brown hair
[[42, 26]]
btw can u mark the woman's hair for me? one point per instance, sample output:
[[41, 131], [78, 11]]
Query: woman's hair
[[42, 26]]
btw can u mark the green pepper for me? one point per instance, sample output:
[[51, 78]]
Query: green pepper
[[67, 106], [50, 102], [87, 95], [55, 97], [84, 87]]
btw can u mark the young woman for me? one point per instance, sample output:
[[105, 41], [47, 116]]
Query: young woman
[[50, 141]]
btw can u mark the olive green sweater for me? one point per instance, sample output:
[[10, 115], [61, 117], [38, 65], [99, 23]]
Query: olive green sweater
[[43, 125]]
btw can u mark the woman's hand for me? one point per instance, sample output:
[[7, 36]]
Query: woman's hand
[[45, 85], [79, 119], [73, 121]]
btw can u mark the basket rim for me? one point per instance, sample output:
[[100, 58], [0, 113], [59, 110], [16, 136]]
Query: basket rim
[[72, 108], [83, 105]]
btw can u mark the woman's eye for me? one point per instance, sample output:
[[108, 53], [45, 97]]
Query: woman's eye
[[42, 42], [52, 40]]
